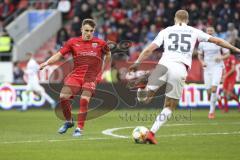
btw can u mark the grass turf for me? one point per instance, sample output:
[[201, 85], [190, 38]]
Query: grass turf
[[189, 135]]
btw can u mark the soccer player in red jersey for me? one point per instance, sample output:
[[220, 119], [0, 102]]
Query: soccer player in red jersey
[[87, 52], [229, 80]]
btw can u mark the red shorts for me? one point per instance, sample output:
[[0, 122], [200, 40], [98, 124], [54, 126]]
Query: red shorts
[[228, 84], [79, 84]]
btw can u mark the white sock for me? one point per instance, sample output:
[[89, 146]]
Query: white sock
[[213, 101], [48, 98], [71, 121], [24, 107], [161, 119], [25, 101]]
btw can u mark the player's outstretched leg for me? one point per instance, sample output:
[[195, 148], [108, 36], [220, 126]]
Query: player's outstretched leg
[[213, 100], [82, 115], [225, 99], [145, 95], [25, 101], [162, 118], [66, 108], [220, 105], [43, 93], [65, 104], [49, 99]]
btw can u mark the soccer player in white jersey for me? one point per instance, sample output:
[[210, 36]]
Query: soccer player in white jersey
[[211, 57], [31, 73], [179, 41]]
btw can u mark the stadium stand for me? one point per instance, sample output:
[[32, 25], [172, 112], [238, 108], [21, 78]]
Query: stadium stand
[[135, 20]]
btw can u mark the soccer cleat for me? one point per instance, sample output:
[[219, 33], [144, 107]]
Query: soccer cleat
[[142, 95], [65, 127], [77, 132], [150, 138], [211, 116], [140, 82]]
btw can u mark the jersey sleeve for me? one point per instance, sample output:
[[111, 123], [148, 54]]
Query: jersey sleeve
[[203, 37], [105, 47], [159, 39], [233, 61], [66, 48], [225, 50]]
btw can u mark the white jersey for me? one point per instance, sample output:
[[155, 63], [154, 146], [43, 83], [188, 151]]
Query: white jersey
[[211, 51], [32, 71], [179, 42]]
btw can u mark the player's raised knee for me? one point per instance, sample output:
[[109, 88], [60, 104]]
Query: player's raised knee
[[65, 96]]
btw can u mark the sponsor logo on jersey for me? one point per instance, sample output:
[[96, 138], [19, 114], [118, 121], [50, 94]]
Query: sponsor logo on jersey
[[90, 53], [94, 45]]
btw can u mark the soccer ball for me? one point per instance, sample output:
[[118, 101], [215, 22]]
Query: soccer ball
[[139, 134]]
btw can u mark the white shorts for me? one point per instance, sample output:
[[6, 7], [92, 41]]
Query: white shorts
[[212, 76], [34, 86], [172, 73]]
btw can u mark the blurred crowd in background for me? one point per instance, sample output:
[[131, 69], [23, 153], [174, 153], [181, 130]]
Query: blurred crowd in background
[[140, 21]]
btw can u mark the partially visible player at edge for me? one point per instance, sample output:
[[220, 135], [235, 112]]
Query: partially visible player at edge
[[211, 57], [88, 56], [179, 41], [229, 80], [33, 84]]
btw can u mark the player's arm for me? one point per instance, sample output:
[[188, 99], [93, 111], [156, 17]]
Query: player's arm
[[200, 58], [143, 55], [56, 57], [223, 56], [157, 42], [200, 55], [223, 43], [231, 71], [107, 60], [147, 52]]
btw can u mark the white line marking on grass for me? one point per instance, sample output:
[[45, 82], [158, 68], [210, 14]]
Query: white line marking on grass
[[201, 134], [109, 132], [54, 140]]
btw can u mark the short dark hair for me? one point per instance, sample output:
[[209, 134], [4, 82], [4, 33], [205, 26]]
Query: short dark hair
[[90, 22]]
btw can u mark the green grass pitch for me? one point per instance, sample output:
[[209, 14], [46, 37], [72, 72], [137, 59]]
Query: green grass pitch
[[32, 135]]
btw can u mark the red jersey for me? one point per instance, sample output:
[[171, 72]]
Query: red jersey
[[87, 57], [229, 62]]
